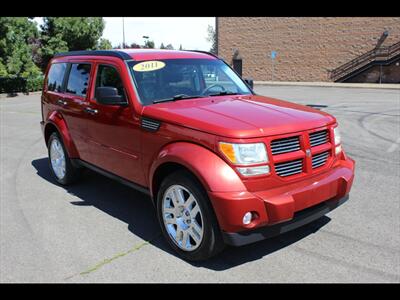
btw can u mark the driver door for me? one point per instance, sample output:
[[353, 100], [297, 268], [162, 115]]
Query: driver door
[[113, 130]]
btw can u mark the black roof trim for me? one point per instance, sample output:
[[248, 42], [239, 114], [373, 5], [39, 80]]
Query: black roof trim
[[119, 54], [204, 52]]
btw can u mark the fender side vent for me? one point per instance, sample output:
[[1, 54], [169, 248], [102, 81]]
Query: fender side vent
[[150, 124]]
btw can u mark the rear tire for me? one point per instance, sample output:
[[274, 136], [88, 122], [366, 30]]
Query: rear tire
[[59, 162], [189, 225]]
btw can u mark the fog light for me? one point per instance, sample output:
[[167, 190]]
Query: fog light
[[253, 171], [247, 218], [338, 149]]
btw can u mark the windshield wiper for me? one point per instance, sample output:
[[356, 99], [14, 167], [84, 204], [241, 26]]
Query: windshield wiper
[[224, 93], [177, 97]]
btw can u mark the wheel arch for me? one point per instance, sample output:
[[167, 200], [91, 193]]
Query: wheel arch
[[212, 172], [56, 123]]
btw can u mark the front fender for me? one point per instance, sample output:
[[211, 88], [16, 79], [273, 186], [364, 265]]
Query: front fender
[[57, 120], [212, 171]]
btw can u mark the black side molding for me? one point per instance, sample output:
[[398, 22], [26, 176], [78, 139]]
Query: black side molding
[[114, 53], [300, 218], [79, 162]]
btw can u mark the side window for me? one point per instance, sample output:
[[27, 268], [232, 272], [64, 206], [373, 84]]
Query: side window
[[78, 80], [109, 76], [55, 77]]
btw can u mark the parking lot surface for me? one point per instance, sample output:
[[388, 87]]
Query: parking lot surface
[[101, 231]]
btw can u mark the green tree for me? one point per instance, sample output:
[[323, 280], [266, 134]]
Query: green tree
[[134, 46], [169, 47], [212, 37], [69, 34], [17, 35], [148, 44], [162, 46], [180, 47], [104, 44]]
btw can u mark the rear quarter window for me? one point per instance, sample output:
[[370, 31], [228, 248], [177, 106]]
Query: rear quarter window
[[55, 77]]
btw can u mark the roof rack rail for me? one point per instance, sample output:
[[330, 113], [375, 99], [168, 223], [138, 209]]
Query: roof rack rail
[[119, 54]]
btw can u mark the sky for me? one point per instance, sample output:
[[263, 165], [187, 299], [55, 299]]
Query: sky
[[191, 32]]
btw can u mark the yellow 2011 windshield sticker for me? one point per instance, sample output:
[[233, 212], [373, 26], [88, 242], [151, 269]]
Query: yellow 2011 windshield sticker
[[147, 66]]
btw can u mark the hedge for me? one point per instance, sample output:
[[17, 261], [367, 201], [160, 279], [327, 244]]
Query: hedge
[[11, 84]]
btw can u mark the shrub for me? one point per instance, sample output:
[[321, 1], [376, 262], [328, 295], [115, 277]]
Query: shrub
[[13, 84]]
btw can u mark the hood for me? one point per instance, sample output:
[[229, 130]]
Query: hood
[[239, 116]]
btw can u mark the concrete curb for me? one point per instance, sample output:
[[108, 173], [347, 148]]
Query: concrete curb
[[20, 94], [332, 84]]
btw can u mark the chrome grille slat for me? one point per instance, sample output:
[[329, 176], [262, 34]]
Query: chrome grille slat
[[319, 133], [285, 149], [318, 138], [316, 160], [314, 139], [318, 165], [320, 159], [318, 143], [289, 168], [290, 173], [294, 171], [285, 145], [321, 154], [289, 163]]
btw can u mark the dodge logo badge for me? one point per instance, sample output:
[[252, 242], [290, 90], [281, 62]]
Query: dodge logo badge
[[308, 152]]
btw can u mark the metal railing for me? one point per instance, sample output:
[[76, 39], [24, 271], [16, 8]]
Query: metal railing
[[377, 54]]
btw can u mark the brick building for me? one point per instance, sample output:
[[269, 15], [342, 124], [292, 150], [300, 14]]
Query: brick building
[[313, 48]]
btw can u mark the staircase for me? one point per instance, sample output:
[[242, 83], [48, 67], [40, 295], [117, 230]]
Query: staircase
[[382, 55]]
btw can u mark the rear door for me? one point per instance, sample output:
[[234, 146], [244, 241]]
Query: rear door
[[75, 101], [53, 92]]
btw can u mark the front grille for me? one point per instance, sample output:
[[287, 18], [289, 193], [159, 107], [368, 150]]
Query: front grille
[[285, 145], [318, 138], [289, 168], [320, 159]]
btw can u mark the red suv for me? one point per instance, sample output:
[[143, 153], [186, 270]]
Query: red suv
[[222, 164]]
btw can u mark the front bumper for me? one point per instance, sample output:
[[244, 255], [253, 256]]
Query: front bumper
[[282, 205], [301, 218]]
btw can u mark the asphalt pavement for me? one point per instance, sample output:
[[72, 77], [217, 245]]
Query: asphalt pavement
[[101, 231]]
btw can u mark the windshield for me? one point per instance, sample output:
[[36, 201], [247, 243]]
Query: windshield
[[176, 79]]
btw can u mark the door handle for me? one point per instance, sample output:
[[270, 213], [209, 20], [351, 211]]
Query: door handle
[[62, 102], [91, 111]]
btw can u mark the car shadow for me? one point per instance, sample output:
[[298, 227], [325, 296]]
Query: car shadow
[[137, 211]]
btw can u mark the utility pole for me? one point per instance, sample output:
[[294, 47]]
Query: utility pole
[[123, 33]]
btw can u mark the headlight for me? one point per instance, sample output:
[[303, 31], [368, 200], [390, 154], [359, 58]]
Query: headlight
[[244, 154], [336, 134]]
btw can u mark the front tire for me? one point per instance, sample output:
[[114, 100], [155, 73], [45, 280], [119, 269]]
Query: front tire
[[187, 219], [60, 164]]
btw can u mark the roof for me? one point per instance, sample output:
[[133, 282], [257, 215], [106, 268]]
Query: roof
[[142, 54]]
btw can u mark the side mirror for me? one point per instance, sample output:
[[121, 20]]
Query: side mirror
[[109, 96], [249, 82]]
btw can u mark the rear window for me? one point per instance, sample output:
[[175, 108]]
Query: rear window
[[56, 76], [78, 80]]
